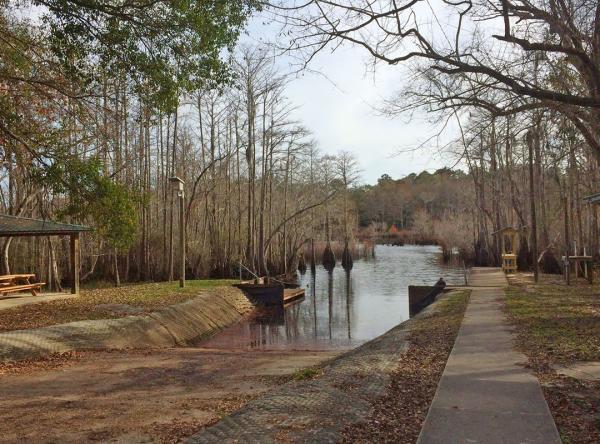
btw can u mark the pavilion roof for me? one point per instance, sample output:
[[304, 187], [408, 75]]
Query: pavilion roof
[[23, 226]]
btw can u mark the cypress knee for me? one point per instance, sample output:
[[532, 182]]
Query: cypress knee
[[328, 257], [347, 262]]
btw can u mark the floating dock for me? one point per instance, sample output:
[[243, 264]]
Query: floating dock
[[420, 296], [291, 295], [271, 294]]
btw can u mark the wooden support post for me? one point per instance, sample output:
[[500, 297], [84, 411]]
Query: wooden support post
[[178, 185], [75, 263]]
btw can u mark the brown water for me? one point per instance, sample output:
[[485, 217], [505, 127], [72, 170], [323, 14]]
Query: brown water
[[343, 310]]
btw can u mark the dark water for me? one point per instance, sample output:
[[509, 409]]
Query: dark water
[[342, 310]]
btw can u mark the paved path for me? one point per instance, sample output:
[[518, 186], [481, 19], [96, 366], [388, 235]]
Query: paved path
[[17, 300], [485, 394]]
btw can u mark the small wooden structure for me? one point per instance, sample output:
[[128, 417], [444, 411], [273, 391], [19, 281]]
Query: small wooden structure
[[12, 226], [509, 243]]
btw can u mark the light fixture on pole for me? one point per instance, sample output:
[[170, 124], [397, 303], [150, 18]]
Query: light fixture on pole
[[177, 185]]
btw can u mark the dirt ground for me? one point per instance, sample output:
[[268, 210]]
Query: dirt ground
[[137, 396]]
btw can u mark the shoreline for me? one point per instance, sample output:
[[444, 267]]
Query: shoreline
[[342, 392]]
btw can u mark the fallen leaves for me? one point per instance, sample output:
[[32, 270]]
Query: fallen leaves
[[54, 361], [177, 429]]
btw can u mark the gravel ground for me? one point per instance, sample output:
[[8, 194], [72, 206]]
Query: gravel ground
[[136, 396]]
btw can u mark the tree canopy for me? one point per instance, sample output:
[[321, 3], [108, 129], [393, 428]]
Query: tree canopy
[[60, 67]]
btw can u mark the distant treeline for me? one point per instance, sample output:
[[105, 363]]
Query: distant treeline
[[417, 209]]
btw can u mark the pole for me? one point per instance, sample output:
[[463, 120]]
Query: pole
[[171, 239], [567, 265], [534, 245], [75, 263], [182, 238]]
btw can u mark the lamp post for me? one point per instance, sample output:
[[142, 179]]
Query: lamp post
[[177, 185]]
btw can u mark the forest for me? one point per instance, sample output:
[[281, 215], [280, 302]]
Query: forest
[[460, 210], [97, 146], [425, 208], [520, 80], [103, 102]]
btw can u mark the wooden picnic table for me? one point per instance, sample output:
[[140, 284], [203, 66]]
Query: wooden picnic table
[[12, 277], [11, 283]]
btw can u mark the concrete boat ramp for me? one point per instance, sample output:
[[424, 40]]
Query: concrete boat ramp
[[485, 394]]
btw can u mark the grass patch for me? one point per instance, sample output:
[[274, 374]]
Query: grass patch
[[559, 325], [145, 297], [306, 373]]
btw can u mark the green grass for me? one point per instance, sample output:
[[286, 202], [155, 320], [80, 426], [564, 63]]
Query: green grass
[[455, 302], [449, 309], [145, 296], [306, 373], [556, 322], [190, 284]]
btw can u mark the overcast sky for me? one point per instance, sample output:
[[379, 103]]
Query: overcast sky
[[339, 107]]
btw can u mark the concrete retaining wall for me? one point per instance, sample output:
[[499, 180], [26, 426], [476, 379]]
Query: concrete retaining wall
[[175, 325]]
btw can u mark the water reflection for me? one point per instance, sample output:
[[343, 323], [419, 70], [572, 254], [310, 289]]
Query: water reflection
[[343, 309]]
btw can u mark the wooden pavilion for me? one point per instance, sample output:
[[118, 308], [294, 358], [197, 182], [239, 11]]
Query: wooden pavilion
[[12, 226]]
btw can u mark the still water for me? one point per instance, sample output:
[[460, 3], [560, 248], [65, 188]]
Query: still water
[[343, 310]]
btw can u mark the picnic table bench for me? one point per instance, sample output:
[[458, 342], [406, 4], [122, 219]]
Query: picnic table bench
[[12, 283]]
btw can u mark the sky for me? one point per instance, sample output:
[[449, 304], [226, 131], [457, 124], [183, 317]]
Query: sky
[[338, 101]]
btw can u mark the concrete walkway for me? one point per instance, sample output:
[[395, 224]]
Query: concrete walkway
[[20, 299], [485, 394]]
